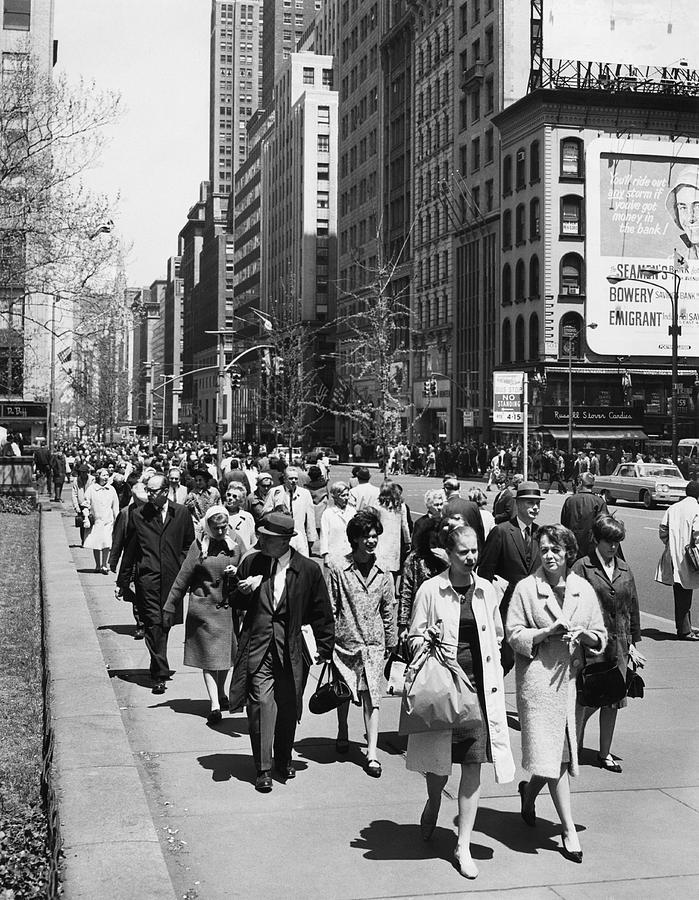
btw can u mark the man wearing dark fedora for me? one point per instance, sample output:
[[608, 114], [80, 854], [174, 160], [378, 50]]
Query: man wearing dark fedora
[[511, 552], [280, 591]]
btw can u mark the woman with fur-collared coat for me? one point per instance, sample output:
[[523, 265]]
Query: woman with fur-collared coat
[[553, 618], [462, 609]]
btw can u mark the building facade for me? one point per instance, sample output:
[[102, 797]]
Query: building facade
[[549, 201]]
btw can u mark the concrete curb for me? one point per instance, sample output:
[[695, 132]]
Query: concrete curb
[[110, 845]]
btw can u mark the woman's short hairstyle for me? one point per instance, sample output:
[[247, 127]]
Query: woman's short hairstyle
[[607, 528], [361, 524], [452, 536], [476, 495], [237, 487], [434, 494], [390, 495], [314, 473], [559, 536], [203, 473], [337, 487]]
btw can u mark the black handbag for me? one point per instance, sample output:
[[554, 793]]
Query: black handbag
[[600, 684], [78, 521], [635, 685], [330, 695]]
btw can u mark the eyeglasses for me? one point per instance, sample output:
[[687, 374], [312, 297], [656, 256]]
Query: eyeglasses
[[155, 490]]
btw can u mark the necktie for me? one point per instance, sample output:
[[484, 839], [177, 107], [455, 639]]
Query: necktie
[[272, 574], [528, 539]]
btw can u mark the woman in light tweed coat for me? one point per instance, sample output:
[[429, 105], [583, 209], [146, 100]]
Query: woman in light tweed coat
[[554, 618]]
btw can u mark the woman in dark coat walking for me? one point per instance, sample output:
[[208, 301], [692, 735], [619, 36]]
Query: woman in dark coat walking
[[210, 641], [615, 587]]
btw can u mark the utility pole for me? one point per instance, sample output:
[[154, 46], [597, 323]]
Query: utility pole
[[149, 403], [52, 387], [220, 425]]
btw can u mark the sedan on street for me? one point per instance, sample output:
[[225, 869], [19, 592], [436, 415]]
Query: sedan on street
[[646, 483]]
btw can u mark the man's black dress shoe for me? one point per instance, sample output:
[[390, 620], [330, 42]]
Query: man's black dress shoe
[[263, 782], [159, 687], [286, 770]]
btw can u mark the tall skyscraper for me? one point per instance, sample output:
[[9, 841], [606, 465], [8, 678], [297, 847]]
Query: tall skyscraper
[[285, 22], [235, 85]]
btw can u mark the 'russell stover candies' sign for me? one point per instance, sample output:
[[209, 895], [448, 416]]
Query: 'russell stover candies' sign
[[593, 416]]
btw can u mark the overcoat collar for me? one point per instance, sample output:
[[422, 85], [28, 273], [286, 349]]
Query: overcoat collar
[[571, 598], [591, 563]]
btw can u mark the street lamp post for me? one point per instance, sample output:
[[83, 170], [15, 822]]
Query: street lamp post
[[674, 330]]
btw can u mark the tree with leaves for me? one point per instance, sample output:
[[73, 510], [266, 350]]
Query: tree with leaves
[[51, 132]]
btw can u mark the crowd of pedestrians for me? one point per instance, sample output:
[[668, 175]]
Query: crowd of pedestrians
[[495, 589]]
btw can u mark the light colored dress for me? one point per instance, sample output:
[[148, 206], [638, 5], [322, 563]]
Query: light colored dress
[[102, 504], [546, 673], [437, 602], [364, 625], [333, 533], [395, 526]]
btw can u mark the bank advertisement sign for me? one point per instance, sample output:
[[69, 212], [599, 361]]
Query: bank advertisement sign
[[508, 394], [642, 226]]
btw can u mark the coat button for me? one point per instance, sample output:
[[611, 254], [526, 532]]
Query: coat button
[[482, 627], [493, 690], [576, 663], [488, 658]]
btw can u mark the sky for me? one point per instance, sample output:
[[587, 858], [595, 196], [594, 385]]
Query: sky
[[155, 53]]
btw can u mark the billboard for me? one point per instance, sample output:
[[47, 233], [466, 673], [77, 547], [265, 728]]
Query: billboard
[[642, 225], [641, 32], [508, 395]]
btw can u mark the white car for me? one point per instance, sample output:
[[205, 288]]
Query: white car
[[646, 483]]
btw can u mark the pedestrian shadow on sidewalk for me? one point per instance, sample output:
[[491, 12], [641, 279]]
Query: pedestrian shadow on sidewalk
[[119, 629], [383, 839], [141, 677], [654, 634], [225, 766], [507, 828]]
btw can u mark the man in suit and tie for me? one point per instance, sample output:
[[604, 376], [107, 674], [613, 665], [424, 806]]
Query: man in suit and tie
[[511, 552], [177, 492], [159, 535], [280, 591]]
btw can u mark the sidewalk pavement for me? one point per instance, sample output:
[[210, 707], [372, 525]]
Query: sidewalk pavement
[[156, 804]]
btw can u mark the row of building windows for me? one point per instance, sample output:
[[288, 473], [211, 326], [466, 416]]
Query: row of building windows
[[474, 8], [433, 98], [520, 351], [571, 279], [358, 154], [435, 136], [521, 224], [433, 51], [433, 311], [520, 281], [433, 269], [360, 72]]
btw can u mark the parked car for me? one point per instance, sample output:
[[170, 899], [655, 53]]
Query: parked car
[[646, 483], [322, 452]]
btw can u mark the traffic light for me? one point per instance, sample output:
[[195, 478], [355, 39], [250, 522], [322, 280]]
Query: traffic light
[[235, 380], [279, 365], [433, 387], [426, 389]]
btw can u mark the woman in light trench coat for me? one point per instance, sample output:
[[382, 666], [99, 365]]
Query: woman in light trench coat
[[464, 608], [553, 618]]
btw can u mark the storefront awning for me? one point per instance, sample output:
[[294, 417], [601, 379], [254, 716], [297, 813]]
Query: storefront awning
[[599, 434]]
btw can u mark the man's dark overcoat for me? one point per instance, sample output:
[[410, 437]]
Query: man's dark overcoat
[[307, 603], [154, 552]]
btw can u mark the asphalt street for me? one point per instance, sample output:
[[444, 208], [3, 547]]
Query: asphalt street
[[642, 546]]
